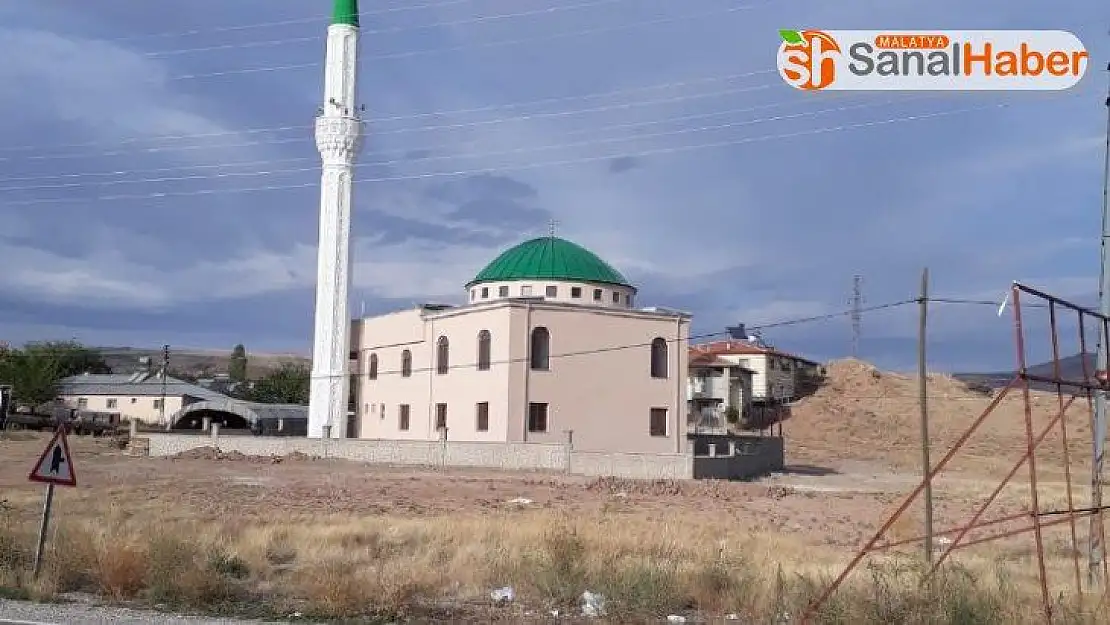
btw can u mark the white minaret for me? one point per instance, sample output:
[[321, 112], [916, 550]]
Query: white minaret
[[338, 138]]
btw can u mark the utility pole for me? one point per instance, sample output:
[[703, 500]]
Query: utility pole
[[1095, 554], [923, 399], [857, 312], [165, 366]]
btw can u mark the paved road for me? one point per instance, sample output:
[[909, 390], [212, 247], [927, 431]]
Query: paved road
[[24, 613]]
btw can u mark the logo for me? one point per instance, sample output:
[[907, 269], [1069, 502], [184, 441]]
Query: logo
[[969, 60]]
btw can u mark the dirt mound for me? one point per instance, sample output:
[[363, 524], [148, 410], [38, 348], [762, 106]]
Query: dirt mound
[[861, 412], [212, 454]]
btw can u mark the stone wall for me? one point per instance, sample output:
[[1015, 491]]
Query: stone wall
[[509, 456], [737, 457]]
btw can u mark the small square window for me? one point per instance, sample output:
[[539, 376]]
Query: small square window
[[553, 291], [502, 291], [112, 403], [597, 295], [485, 292], [526, 290], [158, 403], [83, 402], [576, 291]]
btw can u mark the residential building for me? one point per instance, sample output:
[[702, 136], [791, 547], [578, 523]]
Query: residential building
[[715, 386], [549, 347], [777, 376], [136, 396]]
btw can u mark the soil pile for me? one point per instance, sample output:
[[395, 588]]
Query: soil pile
[[861, 412]]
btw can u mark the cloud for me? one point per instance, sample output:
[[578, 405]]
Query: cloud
[[771, 227]]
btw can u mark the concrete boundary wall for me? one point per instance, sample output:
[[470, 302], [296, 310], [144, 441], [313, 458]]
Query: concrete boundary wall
[[508, 456]]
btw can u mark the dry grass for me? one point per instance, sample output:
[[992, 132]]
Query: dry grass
[[346, 567]]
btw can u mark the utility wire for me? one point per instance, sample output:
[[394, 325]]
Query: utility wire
[[521, 167], [611, 348], [394, 29], [392, 118], [305, 20], [486, 45], [511, 152], [577, 131], [530, 116]]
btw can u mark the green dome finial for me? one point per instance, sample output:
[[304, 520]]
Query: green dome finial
[[346, 12]]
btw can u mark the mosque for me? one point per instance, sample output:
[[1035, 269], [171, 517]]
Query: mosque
[[549, 347]]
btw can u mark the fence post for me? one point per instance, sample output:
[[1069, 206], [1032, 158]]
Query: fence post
[[569, 449]]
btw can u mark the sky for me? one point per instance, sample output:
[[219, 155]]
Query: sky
[[159, 183]]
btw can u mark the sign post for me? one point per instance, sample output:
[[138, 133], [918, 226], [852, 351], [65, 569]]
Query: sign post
[[54, 468]]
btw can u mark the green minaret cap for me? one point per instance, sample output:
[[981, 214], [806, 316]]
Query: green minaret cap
[[346, 12]]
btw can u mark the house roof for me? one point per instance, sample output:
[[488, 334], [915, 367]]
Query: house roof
[[549, 258], [704, 359], [137, 385], [742, 348]]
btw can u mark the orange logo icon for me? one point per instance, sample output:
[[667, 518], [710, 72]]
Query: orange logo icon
[[807, 59]]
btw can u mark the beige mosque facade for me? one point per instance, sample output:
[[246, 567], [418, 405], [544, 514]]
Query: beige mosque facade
[[549, 347]]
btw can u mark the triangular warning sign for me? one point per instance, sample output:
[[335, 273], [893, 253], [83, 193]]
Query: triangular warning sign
[[55, 466]]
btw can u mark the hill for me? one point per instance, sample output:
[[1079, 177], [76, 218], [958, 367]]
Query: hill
[[863, 413], [1071, 368], [195, 362]]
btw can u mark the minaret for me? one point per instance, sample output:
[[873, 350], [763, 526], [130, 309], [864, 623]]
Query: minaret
[[338, 138]]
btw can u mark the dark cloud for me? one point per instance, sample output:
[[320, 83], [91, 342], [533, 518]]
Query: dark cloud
[[622, 164]]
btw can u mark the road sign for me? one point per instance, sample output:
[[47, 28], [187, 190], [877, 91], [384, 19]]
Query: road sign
[[55, 466]]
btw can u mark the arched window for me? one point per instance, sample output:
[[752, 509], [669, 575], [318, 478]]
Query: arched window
[[659, 358], [406, 364], [540, 353], [442, 355], [373, 372], [483, 350]]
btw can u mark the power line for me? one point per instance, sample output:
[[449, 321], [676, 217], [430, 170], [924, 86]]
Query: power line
[[609, 348], [305, 20], [392, 118], [515, 151], [489, 44], [177, 168], [530, 116], [394, 29], [527, 166]]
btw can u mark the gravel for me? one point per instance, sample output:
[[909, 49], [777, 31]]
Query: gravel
[[26, 613]]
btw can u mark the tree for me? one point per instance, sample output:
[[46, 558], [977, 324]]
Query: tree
[[289, 384], [71, 357], [35, 370], [33, 376], [237, 364]]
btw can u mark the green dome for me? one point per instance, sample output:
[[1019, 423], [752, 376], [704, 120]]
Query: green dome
[[549, 258]]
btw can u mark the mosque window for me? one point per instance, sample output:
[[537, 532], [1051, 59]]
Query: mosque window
[[443, 352], [553, 291], [483, 350], [403, 417], [659, 358], [537, 417], [576, 291], [485, 292], [406, 364], [503, 291], [657, 425], [473, 294], [483, 416], [616, 297], [372, 374], [526, 290], [597, 295], [540, 352]]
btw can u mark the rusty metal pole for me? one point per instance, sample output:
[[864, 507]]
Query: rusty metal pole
[[923, 399], [1095, 553]]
